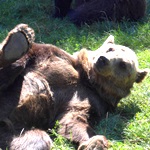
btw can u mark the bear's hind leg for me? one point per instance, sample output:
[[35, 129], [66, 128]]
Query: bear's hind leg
[[34, 139], [16, 44]]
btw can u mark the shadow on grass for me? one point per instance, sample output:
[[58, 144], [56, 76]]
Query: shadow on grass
[[113, 125]]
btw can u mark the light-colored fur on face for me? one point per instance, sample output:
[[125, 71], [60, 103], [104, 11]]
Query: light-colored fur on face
[[112, 69], [117, 62]]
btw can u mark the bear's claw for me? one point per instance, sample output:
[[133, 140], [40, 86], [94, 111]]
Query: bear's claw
[[27, 31]]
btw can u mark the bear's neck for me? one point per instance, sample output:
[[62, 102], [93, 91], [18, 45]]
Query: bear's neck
[[106, 88], [89, 81]]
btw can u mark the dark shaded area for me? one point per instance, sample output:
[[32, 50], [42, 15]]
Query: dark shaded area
[[90, 11]]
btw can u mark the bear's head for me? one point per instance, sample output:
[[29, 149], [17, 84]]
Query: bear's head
[[112, 70]]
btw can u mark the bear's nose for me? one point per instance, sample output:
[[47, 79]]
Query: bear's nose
[[102, 61]]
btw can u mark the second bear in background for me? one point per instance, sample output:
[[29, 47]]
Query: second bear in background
[[88, 11]]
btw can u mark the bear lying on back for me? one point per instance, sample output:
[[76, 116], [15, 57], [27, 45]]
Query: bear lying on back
[[41, 83], [88, 11]]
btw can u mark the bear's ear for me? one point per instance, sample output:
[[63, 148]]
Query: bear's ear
[[141, 74], [110, 39]]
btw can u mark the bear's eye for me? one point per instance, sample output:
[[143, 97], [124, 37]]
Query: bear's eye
[[110, 50], [122, 65]]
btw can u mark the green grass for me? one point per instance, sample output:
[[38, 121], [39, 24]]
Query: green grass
[[129, 127]]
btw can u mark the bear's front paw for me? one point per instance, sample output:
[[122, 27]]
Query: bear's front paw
[[97, 142], [16, 44]]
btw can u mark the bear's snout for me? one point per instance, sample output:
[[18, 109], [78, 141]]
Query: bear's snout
[[102, 61]]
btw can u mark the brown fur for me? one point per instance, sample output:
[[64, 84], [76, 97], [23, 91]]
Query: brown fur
[[77, 90], [25, 141], [88, 11]]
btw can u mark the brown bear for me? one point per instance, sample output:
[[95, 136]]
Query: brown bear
[[88, 11], [41, 84]]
